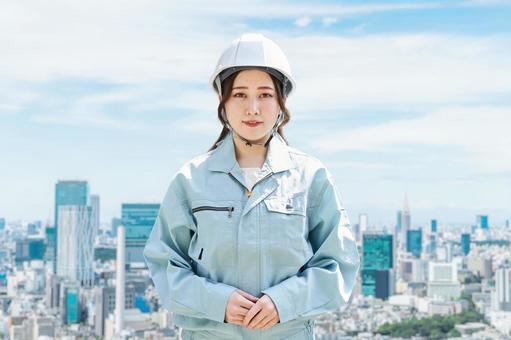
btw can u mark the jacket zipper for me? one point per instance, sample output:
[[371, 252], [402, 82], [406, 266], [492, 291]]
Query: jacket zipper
[[207, 207], [249, 191]]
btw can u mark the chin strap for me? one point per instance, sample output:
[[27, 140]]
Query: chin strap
[[271, 133]]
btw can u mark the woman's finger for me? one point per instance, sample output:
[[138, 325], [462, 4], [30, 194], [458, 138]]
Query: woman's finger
[[271, 322]]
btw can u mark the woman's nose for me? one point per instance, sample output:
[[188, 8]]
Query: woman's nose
[[253, 106]]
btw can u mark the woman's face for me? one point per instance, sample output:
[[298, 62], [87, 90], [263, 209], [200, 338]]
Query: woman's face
[[252, 108]]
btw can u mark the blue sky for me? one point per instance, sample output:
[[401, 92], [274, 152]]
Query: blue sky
[[392, 96]]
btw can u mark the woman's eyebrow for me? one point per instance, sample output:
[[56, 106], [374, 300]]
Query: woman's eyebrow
[[259, 88]]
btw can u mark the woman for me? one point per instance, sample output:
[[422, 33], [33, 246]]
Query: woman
[[252, 241]]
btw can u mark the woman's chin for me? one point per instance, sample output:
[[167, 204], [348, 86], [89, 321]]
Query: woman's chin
[[254, 137]]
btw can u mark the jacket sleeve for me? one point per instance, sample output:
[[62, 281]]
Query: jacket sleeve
[[326, 281], [181, 291]]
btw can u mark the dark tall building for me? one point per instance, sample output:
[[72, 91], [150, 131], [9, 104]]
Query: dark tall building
[[383, 281], [433, 226], [378, 254], [414, 242], [482, 222], [465, 243], [138, 220]]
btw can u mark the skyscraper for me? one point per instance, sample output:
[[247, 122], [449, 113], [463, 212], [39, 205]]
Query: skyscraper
[[434, 226], [482, 221], [405, 222], [378, 254], [399, 222], [414, 242], [66, 193], [76, 244], [94, 204], [503, 288], [465, 243], [69, 305], [138, 220]]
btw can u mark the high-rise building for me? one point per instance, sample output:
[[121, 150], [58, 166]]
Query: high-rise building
[[465, 243], [384, 283], [363, 223], [116, 222], [104, 298], [414, 242], [94, 204], [432, 244], [405, 222], [29, 249], [443, 280], [399, 222], [413, 270], [138, 220], [482, 222], [76, 244], [70, 306], [434, 226], [66, 193], [480, 266], [378, 254], [503, 288]]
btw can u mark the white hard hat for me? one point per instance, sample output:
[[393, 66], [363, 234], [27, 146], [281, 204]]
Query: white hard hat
[[253, 50]]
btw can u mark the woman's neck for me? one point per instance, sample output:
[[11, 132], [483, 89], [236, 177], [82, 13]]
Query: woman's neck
[[250, 156]]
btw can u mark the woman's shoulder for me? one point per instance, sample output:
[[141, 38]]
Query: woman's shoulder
[[305, 160], [196, 163]]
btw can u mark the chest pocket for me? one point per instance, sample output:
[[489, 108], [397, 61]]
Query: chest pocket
[[216, 232], [287, 229]]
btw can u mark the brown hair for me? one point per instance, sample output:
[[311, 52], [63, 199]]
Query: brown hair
[[227, 90]]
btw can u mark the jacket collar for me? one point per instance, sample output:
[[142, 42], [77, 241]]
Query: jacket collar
[[223, 158]]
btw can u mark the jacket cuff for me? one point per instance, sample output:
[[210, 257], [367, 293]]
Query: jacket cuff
[[282, 302], [218, 300]]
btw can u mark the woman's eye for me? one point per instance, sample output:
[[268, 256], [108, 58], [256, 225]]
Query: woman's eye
[[240, 94], [268, 95]]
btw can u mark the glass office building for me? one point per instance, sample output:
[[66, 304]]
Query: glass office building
[[434, 225], [138, 220], [66, 193], [465, 243], [482, 221], [378, 254], [414, 242]]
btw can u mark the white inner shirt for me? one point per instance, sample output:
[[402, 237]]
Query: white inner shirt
[[250, 175]]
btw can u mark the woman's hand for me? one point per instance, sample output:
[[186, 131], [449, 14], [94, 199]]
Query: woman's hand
[[239, 304], [262, 315]]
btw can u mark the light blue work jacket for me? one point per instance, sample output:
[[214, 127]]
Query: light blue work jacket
[[288, 237]]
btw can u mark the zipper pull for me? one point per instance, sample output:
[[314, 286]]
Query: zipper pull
[[200, 255], [231, 209], [249, 193]]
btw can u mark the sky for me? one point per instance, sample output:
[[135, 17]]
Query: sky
[[393, 97]]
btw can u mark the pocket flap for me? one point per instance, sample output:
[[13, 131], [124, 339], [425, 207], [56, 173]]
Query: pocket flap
[[286, 205]]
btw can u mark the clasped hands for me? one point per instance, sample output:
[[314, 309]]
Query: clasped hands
[[251, 312]]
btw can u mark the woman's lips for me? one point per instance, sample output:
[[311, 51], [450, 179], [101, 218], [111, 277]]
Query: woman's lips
[[252, 124]]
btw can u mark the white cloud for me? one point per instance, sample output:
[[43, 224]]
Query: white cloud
[[398, 69], [481, 132], [303, 21], [328, 21]]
